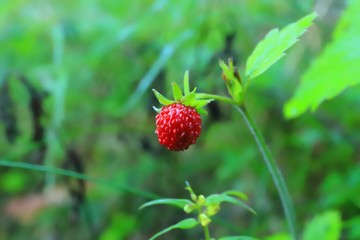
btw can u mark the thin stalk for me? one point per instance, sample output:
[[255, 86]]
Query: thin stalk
[[215, 97], [206, 233], [273, 169]]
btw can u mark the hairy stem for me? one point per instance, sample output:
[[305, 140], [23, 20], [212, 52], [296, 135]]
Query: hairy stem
[[273, 169]]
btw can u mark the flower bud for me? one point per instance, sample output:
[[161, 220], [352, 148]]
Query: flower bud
[[189, 207], [212, 209], [204, 220], [201, 200]]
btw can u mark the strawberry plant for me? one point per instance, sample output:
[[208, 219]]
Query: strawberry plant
[[178, 123]]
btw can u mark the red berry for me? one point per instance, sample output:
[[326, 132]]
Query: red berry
[[178, 126]]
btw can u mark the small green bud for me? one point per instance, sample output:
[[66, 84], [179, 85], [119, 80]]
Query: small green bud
[[212, 209], [189, 207], [192, 194], [193, 197], [204, 220], [201, 200]]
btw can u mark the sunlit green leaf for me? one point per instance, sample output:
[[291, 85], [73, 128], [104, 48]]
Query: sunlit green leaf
[[273, 46], [336, 69], [13, 181], [184, 224], [189, 98], [219, 198], [236, 194], [181, 203], [279, 236], [325, 226]]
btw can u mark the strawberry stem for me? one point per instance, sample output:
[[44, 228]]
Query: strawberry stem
[[216, 97], [273, 169]]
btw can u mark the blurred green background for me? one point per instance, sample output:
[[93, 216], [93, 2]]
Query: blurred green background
[[75, 93]]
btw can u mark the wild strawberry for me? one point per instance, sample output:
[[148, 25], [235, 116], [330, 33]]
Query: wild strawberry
[[178, 126], [178, 123]]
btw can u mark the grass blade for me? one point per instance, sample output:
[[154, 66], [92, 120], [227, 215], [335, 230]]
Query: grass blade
[[64, 172]]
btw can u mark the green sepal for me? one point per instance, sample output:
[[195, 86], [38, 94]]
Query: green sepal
[[177, 93], [184, 224], [236, 91], [186, 83], [162, 100], [202, 111], [228, 70], [158, 110], [201, 103], [189, 99]]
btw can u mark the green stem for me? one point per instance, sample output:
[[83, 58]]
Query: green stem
[[273, 169], [215, 97], [206, 233]]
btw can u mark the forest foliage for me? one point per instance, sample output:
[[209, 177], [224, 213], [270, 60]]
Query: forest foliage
[[78, 152]]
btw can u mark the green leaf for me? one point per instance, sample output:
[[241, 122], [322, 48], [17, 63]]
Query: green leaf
[[325, 226], [219, 198], [238, 238], [162, 100], [336, 69], [180, 203], [272, 47], [279, 236], [184, 224], [236, 194], [13, 181], [176, 91], [127, 224]]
